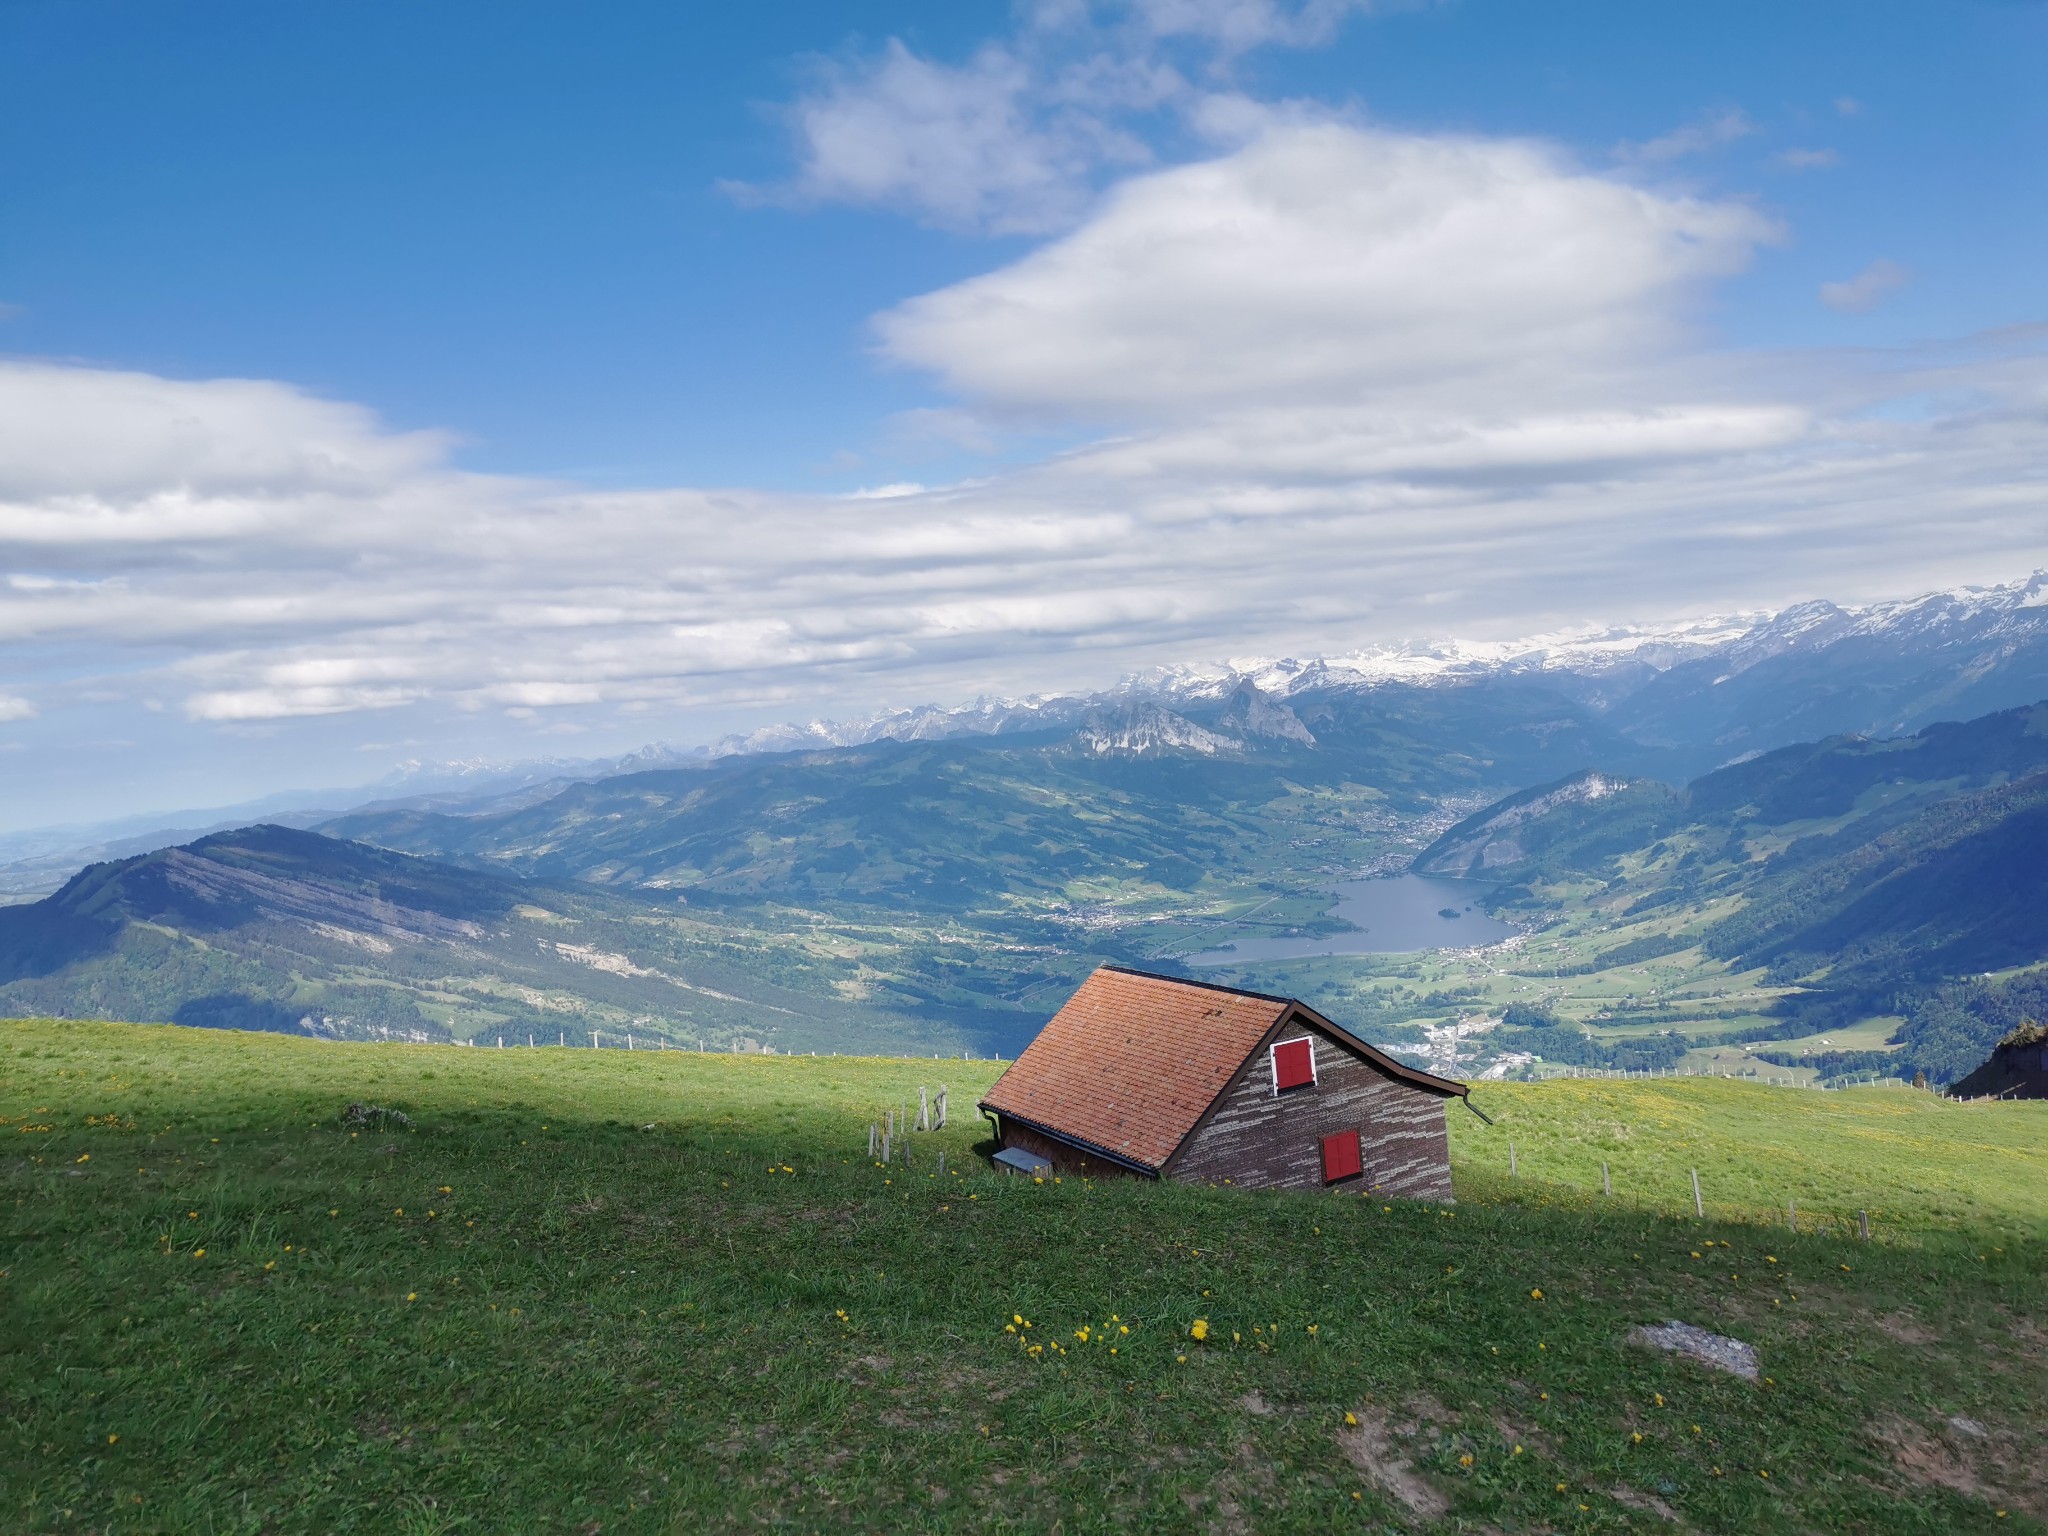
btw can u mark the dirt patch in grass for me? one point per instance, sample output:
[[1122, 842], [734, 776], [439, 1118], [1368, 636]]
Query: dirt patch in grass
[[1947, 1458], [1374, 1446], [1648, 1503], [1906, 1328]]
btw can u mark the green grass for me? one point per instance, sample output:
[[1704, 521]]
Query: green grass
[[1917, 1163], [664, 1292]]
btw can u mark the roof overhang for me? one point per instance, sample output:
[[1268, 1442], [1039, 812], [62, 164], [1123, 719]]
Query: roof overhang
[[1078, 1143]]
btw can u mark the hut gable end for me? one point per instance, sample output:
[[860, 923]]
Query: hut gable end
[[1259, 1139]]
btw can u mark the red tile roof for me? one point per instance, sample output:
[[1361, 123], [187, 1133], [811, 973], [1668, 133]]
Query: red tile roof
[[1132, 1061]]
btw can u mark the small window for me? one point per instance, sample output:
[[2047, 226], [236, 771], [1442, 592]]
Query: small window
[[1342, 1158], [1294, 1064]]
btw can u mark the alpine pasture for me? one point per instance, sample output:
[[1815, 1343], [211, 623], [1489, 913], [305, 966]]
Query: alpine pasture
[[654, 1291]]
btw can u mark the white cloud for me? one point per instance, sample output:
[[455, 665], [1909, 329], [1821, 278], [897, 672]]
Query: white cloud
[[1337, 386], [1239, 25], [966, 147], [1807, 159], [1016, 139], [1695, 138], [1869, 288], [14, 707], [143, 442], [1327, 263]]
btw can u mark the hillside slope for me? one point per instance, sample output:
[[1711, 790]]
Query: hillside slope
[[1868, 875], [273, 928], [671, 1292]]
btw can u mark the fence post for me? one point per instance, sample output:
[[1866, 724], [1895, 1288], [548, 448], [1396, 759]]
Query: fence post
[[1513, 1171], [871, 1140], [924, 1109], [1699, 1207], [1863, 1225], [1792, 1215], [885, 1146], [1606, 1183], [942, 1165], [942, 1106], [593, 1039]]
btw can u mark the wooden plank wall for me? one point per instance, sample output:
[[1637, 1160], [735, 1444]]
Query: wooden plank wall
[[1258, 1141]]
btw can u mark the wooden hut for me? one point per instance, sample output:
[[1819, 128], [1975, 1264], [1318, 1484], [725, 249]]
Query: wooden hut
[[1155, 1077]]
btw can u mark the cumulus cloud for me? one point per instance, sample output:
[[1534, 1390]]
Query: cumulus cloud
[[968, 146], [131, 438], [1869, 288], [14, 707], [1330, 261], [1336, 386], [1016, 138]]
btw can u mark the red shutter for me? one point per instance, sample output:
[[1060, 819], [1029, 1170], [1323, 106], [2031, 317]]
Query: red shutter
[[1341, 1157], [1294, 1064]]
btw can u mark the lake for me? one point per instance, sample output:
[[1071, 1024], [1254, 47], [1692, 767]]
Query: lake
[[1390, 916]]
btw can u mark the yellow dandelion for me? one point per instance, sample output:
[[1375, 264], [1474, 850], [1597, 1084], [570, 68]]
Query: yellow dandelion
[[1200, 1330], [85, 1157], [116, 1440], [1351, 1421], [198, 1253], [1465, 1460], [412, 1295], [272, 1264], [1536, 1294]]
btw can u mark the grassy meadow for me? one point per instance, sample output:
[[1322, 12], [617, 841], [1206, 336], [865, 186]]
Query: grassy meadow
[[601, 1291]]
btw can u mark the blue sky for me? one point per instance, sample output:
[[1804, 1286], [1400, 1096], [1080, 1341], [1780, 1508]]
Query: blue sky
[[518, 290]]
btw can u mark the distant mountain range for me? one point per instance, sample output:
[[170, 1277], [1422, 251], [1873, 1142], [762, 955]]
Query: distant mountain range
[[838, 875]]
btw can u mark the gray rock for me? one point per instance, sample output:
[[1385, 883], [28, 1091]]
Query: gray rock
[[1714, 1350]]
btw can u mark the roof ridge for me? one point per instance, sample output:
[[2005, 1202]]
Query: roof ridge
[[1207, 986]]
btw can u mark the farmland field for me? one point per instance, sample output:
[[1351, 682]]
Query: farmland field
[[652, 1291]]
